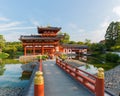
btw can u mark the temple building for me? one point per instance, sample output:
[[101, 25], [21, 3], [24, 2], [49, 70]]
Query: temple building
[[47, 41]]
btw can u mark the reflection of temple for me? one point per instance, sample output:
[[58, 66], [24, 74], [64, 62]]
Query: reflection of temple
[[77, 57], [48, 42]]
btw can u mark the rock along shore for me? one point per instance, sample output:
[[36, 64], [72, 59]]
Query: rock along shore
[[112, 80], [10, 91]]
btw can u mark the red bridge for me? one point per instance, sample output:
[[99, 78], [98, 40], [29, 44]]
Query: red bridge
[[70, 82]]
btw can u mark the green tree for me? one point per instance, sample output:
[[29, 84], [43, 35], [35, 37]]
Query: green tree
[[66, 38], [112, 35], [80, 43], [2, 42], [72, 42], [97, 47], [11, 50], [87, 42], [112, 57]]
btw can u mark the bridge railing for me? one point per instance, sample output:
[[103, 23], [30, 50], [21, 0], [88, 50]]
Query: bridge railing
[[93, 83]]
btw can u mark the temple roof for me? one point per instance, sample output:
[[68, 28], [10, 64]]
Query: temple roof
[[75, 46], [38, 37], [49, 28]]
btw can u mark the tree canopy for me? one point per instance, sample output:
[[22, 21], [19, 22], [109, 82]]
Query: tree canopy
[[2, 42], [112, 36]]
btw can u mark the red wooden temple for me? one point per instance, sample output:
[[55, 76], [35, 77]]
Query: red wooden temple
[[47, 41]]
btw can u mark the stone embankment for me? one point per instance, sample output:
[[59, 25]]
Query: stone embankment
[[112, 80], [74, 62], [10, 91]]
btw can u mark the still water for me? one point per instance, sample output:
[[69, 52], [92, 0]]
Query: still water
[[87, 67], [10, 75]]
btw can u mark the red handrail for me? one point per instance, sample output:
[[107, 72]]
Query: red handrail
[[88, 80]]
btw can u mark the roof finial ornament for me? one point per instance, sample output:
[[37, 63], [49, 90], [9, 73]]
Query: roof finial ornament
[[48, 25]]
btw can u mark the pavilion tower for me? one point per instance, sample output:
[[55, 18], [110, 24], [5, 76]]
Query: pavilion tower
[[45, 42]]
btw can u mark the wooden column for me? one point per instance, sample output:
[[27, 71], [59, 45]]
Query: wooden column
[[33, 50], [42, 50], [100, 83], [25, 50]]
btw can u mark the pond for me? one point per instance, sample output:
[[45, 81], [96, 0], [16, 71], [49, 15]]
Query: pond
[[12, 79], [10, 76], [89, 68]]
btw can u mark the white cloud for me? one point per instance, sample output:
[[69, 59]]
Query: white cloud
[[17, 28], [10, 24], [116, 10], [4, 19], [79, 34], [12, 36]]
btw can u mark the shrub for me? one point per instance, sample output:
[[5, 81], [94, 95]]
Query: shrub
[[63, 56], [112, 57], [3, 55]]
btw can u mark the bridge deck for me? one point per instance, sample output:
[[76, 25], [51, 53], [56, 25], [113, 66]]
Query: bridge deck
[[58, 83]]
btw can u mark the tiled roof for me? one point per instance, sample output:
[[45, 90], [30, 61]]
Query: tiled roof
[[75, 45], [38, 37], [42, 29]]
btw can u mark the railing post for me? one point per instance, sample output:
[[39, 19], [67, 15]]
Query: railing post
[[38, 84], [40, 65], [100, 82]]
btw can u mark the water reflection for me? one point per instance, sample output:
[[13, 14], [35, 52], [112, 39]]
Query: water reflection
[[2, 69], [25, 75], [87, 67], [6, 61], [11, 76], [77, 57]]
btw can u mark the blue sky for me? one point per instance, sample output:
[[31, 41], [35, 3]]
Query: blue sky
[[81, 19]]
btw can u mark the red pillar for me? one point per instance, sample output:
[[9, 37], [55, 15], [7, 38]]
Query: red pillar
[[33, 50], [25, 50], [42, 50], [100, 83]]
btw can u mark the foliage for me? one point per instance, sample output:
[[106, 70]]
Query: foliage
[[66, 38], [44, 57], [112, 57], [115, 48], [87, 42], [10, 61], [13, 49], [80, 43], [72, 42], [63, 56], [2, 69], [10, 50], [112, 36], [97, 47], [2, 42], [3, 55]]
